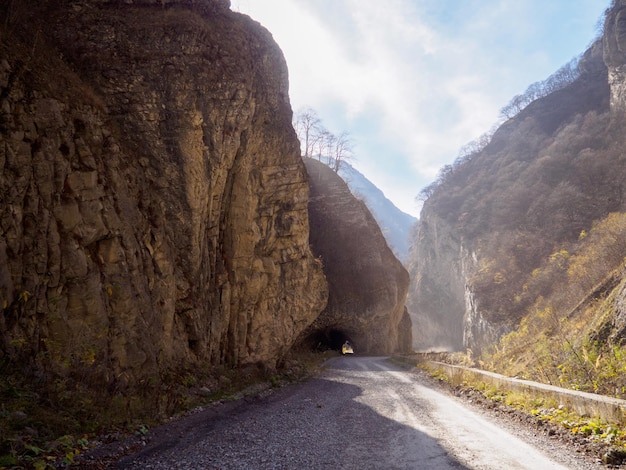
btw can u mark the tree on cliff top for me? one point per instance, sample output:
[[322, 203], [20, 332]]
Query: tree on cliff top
[[309, 129], [557, 81], [317, 141]]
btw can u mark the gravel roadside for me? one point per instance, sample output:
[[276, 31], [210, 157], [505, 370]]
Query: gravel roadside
[[575, 451], [319, 424]]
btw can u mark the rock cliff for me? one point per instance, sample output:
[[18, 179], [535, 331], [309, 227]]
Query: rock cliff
[[395, 225], [153, 205], [367, 283], [615, 54], [437, 285]]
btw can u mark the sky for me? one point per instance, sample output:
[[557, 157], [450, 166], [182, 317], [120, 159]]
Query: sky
[[413, 81]]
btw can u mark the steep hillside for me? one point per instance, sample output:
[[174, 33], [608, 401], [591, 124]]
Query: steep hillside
[[367, 283], [395, 224], [521, 249], [573, 332], [498, 215]]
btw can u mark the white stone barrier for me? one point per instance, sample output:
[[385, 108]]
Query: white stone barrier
[[609, 409]]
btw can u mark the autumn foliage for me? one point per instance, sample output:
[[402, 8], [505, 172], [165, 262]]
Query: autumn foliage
[[543, 207]]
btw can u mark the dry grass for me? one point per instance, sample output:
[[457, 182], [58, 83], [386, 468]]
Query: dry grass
[[45, 421]]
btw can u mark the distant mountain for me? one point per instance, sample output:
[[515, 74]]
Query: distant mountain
[[395, 224]]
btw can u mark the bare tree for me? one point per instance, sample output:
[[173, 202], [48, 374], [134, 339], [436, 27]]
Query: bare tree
[[308, 127], [316, 140], [329, 140], [342, 150], [319, 144], [558, 80]]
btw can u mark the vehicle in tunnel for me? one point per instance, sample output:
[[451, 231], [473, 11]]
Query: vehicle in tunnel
[[329, 338]]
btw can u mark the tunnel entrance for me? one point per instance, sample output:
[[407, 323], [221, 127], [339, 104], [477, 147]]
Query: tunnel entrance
[[329, 338]]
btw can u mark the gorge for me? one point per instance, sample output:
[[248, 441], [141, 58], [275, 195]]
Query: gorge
[[159, 227], [520, 250], [154, 214]]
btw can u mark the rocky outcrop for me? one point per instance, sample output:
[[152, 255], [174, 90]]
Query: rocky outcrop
[[367, 283], [395, 225], [153, 205], [615, 54]]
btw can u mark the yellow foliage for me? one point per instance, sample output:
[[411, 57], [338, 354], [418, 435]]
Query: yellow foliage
[[560, 258], [24, 296], [88, 356], [577, 269], [485, 265]]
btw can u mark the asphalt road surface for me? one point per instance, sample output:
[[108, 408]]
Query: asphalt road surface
[[360, 413]]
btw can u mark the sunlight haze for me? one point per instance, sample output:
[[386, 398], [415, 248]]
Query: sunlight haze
[[412, 81]]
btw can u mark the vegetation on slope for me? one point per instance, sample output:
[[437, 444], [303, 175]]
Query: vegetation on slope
[[544, 208], [542, 205], [545, 177], [565, 340], [45, 425]]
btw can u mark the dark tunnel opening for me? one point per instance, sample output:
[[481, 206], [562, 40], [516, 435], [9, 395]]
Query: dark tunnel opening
[[329, 338]]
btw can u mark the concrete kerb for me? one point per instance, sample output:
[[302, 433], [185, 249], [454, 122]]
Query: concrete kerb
[[612, 410]]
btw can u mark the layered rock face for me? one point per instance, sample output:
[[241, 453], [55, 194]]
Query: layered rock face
[[153, 204], [614, 42], [367, 283]]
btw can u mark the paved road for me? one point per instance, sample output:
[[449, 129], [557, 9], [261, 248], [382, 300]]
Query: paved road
[[360, 413]]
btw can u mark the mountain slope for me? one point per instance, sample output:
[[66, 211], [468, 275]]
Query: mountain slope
[[495, 217], [395, 224]]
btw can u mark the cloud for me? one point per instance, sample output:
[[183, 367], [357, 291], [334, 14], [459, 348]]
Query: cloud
[[415, 80]]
